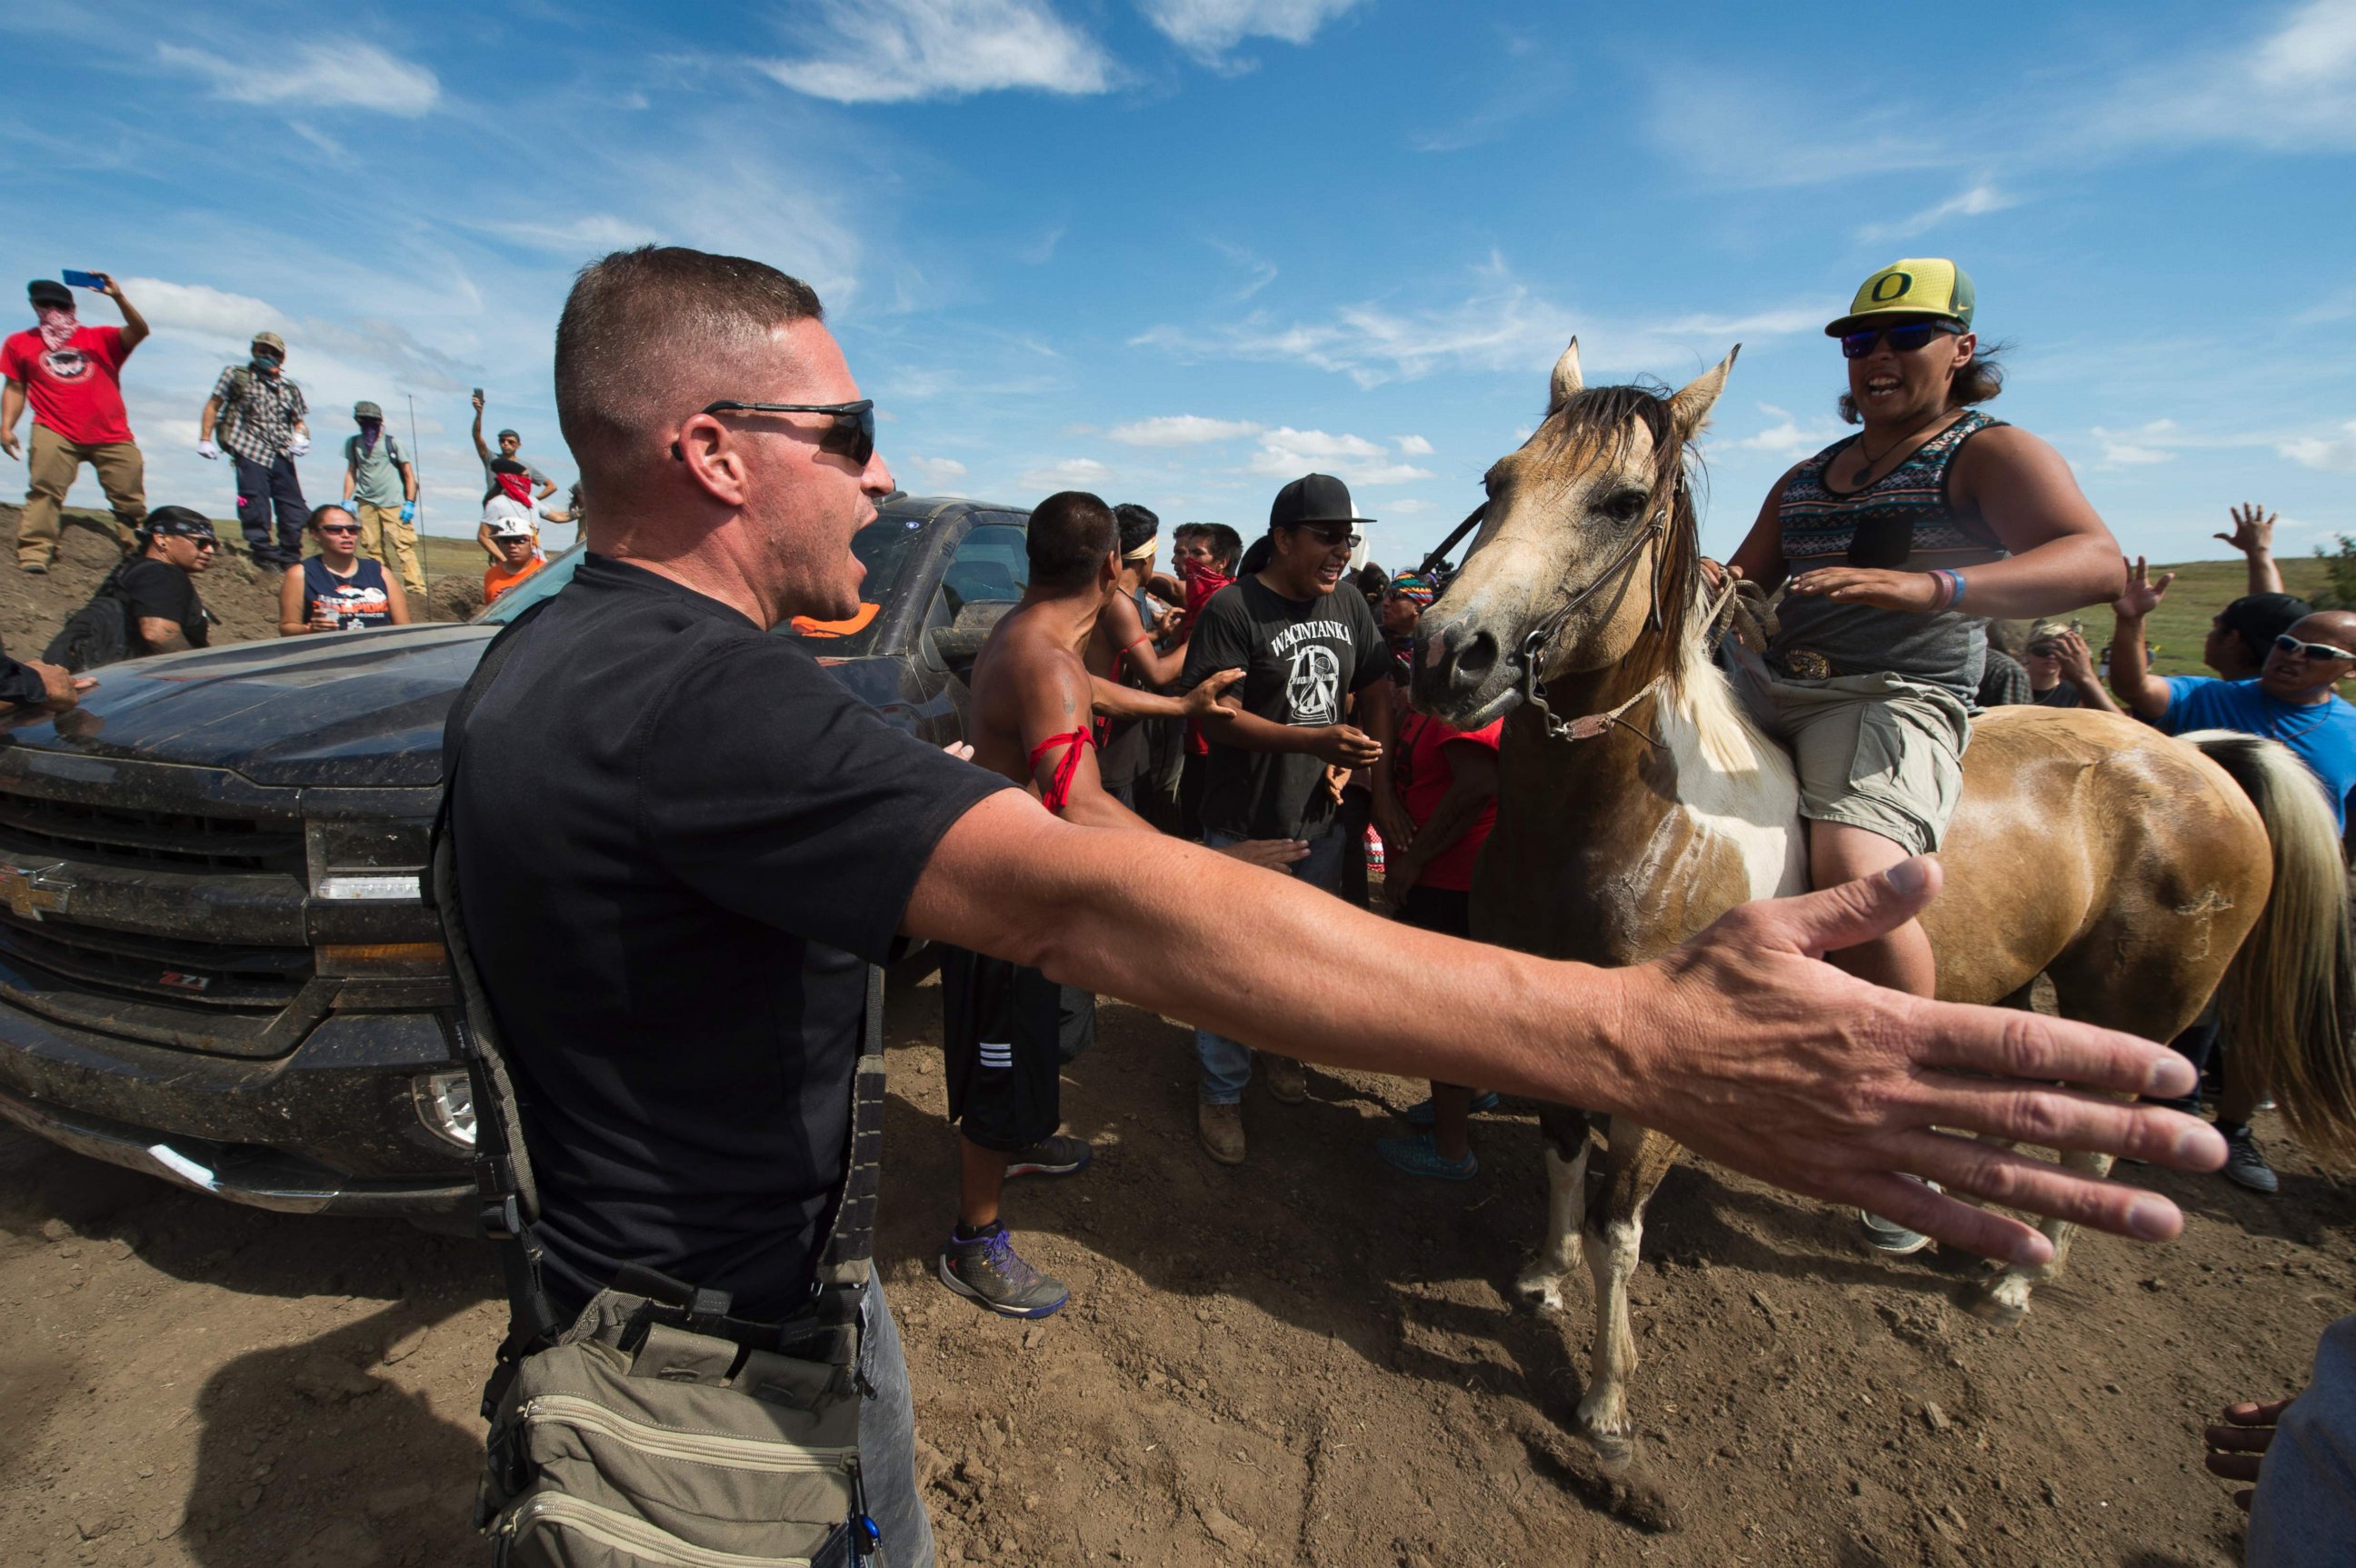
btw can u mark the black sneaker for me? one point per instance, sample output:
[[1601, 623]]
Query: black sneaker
[[2245, 1166], [987, 1269], [1058, 1153]]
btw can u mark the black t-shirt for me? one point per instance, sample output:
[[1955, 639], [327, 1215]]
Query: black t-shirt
[[2061, 694], [160, 590], [678, 843], [1301, 658]]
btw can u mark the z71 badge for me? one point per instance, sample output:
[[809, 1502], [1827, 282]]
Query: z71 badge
[[29, 892]]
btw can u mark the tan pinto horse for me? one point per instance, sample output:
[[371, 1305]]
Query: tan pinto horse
[[2142, 874]]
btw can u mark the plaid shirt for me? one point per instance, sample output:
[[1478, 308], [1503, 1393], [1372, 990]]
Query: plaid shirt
[[261, 425]]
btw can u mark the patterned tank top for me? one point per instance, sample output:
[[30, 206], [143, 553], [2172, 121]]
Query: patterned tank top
[[358, 601], [1903, 522]]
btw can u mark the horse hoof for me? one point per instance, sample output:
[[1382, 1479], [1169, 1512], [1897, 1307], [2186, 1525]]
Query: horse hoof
[[1542, 1293], [2004, 1302], [1614, 1451]]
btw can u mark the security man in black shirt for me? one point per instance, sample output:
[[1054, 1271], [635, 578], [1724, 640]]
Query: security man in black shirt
[[679, 845]]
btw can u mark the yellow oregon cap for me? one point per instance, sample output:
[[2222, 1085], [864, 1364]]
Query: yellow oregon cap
[[1928, 285]]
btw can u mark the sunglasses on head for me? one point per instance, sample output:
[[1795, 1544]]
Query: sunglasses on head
[[852, 435], [1902, 339], [1330, 534], [2289, 644]]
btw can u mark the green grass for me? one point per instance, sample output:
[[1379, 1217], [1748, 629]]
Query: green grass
[[2202, 588]]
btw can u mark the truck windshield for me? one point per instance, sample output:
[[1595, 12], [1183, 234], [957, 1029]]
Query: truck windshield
[[882, 547]]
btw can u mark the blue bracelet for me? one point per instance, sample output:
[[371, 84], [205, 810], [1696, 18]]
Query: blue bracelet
[[1956, 580]]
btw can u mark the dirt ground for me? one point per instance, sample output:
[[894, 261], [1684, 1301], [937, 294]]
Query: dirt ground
[[1305, 1360]]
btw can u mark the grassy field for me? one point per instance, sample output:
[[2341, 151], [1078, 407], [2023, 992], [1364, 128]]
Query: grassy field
[[2200, 590]]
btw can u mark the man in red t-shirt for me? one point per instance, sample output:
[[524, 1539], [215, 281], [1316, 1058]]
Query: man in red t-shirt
[[1447, 779], [72, 374]]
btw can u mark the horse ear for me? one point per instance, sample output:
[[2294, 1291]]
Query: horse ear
[[1692, 404], [1566, 381]]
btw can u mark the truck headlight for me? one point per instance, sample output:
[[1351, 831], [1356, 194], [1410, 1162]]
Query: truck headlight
[[446, 1104]]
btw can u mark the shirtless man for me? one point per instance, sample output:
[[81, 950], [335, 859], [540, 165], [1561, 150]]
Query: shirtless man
[[1007, 1028]]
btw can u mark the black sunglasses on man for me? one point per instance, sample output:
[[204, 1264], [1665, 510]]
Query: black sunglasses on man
[[852, 435]]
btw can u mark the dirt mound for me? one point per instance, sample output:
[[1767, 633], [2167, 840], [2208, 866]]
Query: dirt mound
[[1303, 1360], [242, 595]]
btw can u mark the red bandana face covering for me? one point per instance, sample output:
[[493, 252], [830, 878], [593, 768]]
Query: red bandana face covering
[[58, 324]]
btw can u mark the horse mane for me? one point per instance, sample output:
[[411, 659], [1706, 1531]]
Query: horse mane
[[1599, 423]]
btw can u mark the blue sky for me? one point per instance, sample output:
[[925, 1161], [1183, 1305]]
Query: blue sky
[[1179, 251]]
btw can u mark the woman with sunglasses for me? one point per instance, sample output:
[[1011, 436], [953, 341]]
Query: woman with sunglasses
[[338, 590]]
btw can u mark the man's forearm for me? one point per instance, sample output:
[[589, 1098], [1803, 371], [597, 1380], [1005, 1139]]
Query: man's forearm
[[1304, 972], [1116, 701], [12, 404], [205, 420], [135, 326], [2266, 578], [2143, 693]]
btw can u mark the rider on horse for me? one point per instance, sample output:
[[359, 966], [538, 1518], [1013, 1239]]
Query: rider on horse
[[1898, 542]]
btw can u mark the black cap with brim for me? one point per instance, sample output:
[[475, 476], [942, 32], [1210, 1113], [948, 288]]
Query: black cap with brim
[[1313, 498], [48, 291]]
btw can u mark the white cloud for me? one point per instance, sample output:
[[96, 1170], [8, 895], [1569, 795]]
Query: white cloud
[[940, 474], [1071, 474], [1980, 199], [1790, 439], [1414, 446], [1261, 270], [203, 312], [895, 51], [1503, 324], [591, 233], [318, 76], [2335, 454], [1286, 454], [1207, 30], [2154, 442], [2303, 73], [1180, 430]]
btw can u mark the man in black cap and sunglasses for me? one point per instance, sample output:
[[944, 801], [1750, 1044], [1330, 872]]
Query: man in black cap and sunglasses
[[679, 844], [1308, 643]]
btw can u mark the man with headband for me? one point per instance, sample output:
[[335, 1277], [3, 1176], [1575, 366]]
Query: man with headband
[[72, 376]]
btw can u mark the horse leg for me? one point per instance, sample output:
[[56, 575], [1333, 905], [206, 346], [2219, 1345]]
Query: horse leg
[[1567, 1148], [2003, 1299], [1640, 1158]]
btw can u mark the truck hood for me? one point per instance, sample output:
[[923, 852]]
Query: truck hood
[[359, 709]]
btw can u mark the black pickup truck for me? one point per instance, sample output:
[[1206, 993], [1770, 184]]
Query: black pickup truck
[[214, 964]]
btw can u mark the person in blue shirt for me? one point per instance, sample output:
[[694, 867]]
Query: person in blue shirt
[[2290, 700]]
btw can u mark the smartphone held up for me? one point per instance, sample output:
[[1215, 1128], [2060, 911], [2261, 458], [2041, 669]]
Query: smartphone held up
[[84, 279]]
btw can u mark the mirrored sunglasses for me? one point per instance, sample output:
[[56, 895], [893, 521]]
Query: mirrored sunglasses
[[1902, 339], [2290, 644], [852, 435]]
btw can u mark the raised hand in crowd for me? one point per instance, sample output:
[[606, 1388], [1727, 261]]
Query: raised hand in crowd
[[2254, 536], [2143, 595], [2238, 1446]]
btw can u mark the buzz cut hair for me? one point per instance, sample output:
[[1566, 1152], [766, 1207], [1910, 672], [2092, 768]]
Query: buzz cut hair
[[634, 318], [1071, 533]]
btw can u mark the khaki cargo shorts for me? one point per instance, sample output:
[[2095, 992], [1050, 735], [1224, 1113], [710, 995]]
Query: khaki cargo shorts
[[1876, 752]]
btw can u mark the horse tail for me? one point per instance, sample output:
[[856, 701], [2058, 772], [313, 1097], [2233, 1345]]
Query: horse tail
[[2287, 994]]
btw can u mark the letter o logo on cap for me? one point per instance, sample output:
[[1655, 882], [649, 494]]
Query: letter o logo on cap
[[1891, 285]]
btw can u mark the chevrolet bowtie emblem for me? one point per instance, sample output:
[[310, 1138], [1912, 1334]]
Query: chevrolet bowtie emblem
[[27, 892]]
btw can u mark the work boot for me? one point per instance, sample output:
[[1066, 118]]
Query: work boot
[[1288, 1080], [986, 1268], [1221, 1129], [2245, 1166], [1058, 1153]]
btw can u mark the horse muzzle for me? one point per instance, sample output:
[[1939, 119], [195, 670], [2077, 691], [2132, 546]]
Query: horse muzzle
[[1464, 674]]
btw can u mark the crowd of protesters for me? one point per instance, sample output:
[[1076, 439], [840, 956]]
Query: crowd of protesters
[[1253, 702]]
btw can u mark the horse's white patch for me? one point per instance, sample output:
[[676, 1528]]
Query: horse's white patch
[[1734, 781]]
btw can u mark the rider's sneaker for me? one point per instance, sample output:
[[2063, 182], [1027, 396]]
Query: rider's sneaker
[[1422, 1114], [1889, 1236], [1421, 1156], [989, 1269], [2245, 1166], [1288, 1080], [1058, 1153]]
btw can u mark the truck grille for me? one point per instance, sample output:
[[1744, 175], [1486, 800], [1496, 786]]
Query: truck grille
[[205, 975], [115, 835]]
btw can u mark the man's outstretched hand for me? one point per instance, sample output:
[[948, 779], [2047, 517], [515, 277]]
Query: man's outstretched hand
[[2238, 1446], [1210, 700], [1762, 1058]]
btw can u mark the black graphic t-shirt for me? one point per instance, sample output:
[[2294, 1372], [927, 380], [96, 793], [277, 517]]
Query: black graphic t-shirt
[[1301, 658], [157, 590]]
